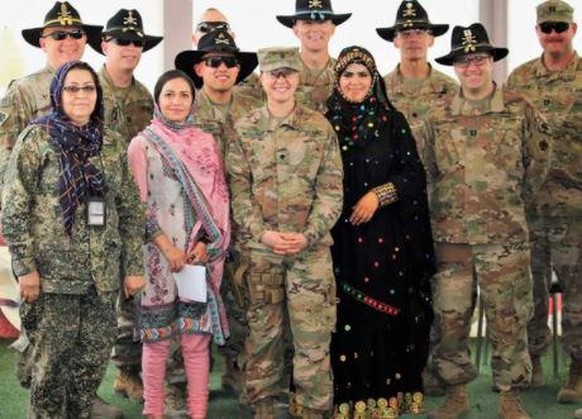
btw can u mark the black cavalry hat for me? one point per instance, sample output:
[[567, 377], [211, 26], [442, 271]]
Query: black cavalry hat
[[126, 24], [470, 40], [62, 14], [218, 41], [411, 15], [313, 10]]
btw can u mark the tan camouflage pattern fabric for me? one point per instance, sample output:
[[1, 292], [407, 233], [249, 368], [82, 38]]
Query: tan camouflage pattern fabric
[[275, 58], [557, 235], [315, 87], [26, 99], [484, 165], [554, 11], [287, 176], [36, 237], [416, 103], [127, 110]]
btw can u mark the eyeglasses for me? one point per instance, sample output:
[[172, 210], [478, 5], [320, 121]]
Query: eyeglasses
[[88, 89], [281, 72], [205, 27], [413, 32], [477, 60], [558, 27], [139, 43], [62, 35], [215, 62]]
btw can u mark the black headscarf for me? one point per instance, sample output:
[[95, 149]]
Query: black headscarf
[[358, 123], [78, 177]]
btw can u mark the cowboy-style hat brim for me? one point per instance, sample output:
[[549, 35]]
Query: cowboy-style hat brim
[[9, 293], [389, 33], [186, 60], [150, 40], [496, 53], [337, 19], [32, 36]]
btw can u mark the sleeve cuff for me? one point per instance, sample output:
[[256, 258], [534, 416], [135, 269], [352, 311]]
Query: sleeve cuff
[[386, 194], [23, 266]]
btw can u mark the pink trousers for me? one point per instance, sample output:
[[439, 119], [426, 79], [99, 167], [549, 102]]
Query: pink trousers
[[195, 350]]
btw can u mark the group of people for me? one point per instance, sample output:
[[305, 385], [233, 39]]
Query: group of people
[[344, 220]]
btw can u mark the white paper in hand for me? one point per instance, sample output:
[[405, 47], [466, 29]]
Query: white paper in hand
[[191, 283]]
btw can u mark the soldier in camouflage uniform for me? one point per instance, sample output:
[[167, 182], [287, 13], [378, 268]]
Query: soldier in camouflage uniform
[[553, 82], [488, 155], [216, 68], [69, 260], [414, 85], [129, 108], [286, 184], [314, 24]]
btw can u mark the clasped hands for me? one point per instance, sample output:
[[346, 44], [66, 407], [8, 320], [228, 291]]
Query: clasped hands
[[284, 243]]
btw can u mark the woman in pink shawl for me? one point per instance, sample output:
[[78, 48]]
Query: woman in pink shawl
[[178, 171]]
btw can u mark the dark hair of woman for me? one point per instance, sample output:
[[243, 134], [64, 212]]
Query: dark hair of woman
[[171, 75]]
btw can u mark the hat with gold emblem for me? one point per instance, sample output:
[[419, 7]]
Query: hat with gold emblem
[[62, 14], [470, 40], [316, 10], [276, 58], [554, 11], [411, 15], [127, 25], [218, 42]]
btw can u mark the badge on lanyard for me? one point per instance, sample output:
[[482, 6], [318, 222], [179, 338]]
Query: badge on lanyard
[[95, 211]]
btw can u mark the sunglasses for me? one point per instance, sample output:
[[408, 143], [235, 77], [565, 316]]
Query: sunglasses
[[205, 27], [139, 43], [281, 72], [90, 88], [62, 35], [214, 62], [558, 27]]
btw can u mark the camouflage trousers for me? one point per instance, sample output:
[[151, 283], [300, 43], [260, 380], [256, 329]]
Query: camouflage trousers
[[127, 350], [299, 290], [71, 336], [565, 238], [504, 278], [538, 331]]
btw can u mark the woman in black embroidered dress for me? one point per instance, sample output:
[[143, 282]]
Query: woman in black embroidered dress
[[383, 252]]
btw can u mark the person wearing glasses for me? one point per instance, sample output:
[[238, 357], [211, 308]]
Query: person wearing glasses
[[74, 225], [129, 108], [487, 157], [285, 175], [553, 82], [216, 68], [314, 24]]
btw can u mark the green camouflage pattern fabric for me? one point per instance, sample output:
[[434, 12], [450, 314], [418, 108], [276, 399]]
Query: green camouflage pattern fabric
[[275, 58], [70, 333], [26, 99], [127, 110], [33, 226], [251, 86], [315, 87], [211, 119], [416, 103], [554, 11], [485, 164], [504, 279], [286, 177], [558, 96]]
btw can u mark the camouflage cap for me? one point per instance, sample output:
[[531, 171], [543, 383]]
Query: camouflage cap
[[555, 11], [271, 59]]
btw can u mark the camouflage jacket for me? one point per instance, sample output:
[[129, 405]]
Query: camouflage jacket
[[26, 99], [485, 165], [416, 104], [314, 90], [209, 118], [33, 226], [127, 110], [285, 178], [251, 86], [558, 96]]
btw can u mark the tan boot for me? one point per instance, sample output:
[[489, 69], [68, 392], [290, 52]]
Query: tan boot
[[537, 373], [572, 390], [510, 406], [264, 409], [128, 384], [102, 410], [456, 404]]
